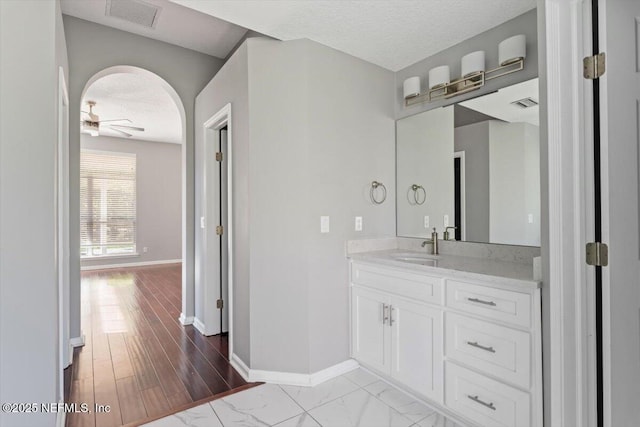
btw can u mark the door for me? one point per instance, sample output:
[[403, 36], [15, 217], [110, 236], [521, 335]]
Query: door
[[619, 22], [223, 238], [416, 347], [370, 331]]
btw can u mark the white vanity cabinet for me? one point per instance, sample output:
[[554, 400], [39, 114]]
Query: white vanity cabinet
[[469, 346], [397, 333]]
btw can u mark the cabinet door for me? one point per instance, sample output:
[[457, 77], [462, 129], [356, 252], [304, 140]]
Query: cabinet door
[[370, 330], [416, 347]]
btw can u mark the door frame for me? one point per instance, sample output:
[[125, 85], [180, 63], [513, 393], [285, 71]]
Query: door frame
[[211, 133], [463, 201], [564, 39], [62, 224]]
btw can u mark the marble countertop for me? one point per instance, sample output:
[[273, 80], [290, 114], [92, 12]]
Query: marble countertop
[[453, 266]]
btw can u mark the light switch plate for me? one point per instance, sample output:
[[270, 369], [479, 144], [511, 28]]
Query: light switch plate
[[426, 221], [445, 221], [358, 223], [324, 224], [530, 218], [202, 222]]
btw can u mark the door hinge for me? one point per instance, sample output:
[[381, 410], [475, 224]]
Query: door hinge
[[219, 230], [219, 303], [597, 254], [218, 156], [593, 66]]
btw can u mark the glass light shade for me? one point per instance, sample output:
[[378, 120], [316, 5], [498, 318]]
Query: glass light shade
[[411, 87], [512, 49], [472, 63], [439, 76]]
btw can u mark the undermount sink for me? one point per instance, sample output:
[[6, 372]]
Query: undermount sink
[[416, 258]]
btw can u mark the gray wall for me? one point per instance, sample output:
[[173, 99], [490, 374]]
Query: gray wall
[[307, 142], [158, 197], [32, 47], [487, 41], [93, 48], [230, 85], [425, 145], [474, 141]]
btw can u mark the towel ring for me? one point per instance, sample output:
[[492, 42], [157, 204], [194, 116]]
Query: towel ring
[[417, 191], [374, 187]]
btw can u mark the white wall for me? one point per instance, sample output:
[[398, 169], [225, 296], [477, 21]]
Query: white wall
[[158, 194], [32, 47], [93, 48], [514, 182], [425, 157], [310, 135]]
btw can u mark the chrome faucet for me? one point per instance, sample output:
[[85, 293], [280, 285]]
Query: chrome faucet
[[446, 232], [433, 241]]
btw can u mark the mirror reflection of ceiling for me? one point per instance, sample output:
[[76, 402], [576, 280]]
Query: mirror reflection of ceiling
[[500, 104], [139, 98]]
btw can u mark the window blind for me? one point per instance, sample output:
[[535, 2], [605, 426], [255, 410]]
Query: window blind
[[107, 204]]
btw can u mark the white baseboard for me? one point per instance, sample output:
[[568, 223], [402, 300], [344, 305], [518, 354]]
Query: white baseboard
[[290, 378], [199, 326], [61, 417], [186, 320], [129, 264], [77, 341]]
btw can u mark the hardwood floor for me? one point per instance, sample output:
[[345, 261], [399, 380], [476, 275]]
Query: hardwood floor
[[138, 358]]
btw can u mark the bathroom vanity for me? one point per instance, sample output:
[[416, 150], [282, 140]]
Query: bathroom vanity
[[461, 333]]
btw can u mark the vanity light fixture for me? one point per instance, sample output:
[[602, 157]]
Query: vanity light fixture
[[411, 87], [511, 54]]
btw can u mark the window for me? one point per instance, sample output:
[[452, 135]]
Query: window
[[107, 204]]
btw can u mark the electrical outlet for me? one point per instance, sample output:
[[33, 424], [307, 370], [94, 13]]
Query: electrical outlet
[[145, 249], [445, 221], [426, 221], [358, 223], [324, 224]]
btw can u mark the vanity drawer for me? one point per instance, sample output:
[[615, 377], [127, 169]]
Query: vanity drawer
[[411, 285], [496, 350], [499, 304], [486, 401]]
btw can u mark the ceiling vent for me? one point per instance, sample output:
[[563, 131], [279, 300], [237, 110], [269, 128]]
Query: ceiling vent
[[134, 11], [525, 103]]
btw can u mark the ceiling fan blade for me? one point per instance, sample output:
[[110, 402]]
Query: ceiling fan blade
[[129, 127], [119, 131], [115, 120]]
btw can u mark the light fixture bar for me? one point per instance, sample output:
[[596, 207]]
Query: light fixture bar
[[466, 84]]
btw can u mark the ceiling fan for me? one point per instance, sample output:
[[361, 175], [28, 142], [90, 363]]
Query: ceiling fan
[[93, 124]]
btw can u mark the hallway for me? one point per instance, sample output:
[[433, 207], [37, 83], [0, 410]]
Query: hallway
[[138, 359]]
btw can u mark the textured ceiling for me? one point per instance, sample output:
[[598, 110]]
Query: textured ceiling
[[393, 34], [139, 98], [177, 25]]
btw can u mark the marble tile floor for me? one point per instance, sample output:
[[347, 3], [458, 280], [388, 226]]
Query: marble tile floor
[[356, 398]]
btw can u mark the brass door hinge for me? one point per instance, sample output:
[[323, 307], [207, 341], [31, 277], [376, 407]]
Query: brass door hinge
[[597, 254], [219, 230], [593, 66], [218, 156], [219, 303]]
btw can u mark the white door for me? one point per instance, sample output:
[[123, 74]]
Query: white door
[[416, 347], [620, 109], [370, 328]]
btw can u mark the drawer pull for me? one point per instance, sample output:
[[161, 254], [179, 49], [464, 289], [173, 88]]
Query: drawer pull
[[481, 347], [391, 315], [477, 400], [481, 301]]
